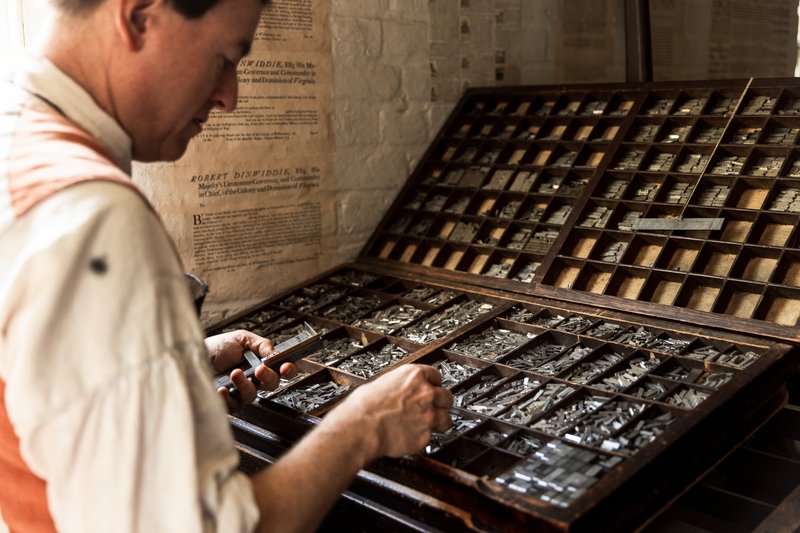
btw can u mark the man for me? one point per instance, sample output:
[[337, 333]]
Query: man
[[108, 420]]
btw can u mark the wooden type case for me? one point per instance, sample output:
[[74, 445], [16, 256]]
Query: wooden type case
[[511, 260]]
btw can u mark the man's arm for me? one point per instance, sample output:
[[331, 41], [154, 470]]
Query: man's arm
[[394, 416]]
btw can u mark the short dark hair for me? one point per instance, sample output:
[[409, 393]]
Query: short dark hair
[[191, 9]]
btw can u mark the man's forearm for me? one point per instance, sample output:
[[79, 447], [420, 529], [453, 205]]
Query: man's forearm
[[297, 491]]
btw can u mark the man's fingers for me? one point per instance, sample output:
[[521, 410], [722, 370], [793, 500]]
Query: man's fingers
[[442, 399], [245, 388], [431, 375], [267, 377]]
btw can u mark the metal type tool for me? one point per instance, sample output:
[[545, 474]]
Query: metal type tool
[[304, 343]]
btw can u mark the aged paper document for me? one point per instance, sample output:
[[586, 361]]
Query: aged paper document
[[249, 205]]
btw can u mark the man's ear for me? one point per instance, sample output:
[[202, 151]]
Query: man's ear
[[133, 21]]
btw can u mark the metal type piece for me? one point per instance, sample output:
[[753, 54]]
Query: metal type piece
[[521, 314], [678, 224], [532, 359], [693, 163], [518, 238], [464, 231], [486, 383], [708, 135], [643, 432], [420, 293], [390, 318], [715, 380], [781, 135], [737, 358], [598, 427], [491, 344], [646, 133], [613, 252], [460, 426], [499, 180], [557, 473], [366, 364], [640, 337], [539, 402], [349, 308], [453, 372], [550, 185], [596, 218], [441, 297], [526, 273], [661, 162], [614, 189], [621, 380], [702, 353], [605, 330], [505, 395], [306, 341], [541, 241], [630, 160], [547, 320], [459, 206], [729, 166], [574, 324], [692, 106], [334, 350], [595, 107], [498, 270], [668, 345], [435, 203], [509, 210], [559, 215], [659, 107], [746, 136], [309, 397], [353, 277], [759, 105], [567, 159], [314, 295], [282, 385], [586, 372], [533, 214], [572, 186], [444, 322], [556, 366], [421, 226], [566, 417], [687, 398], [491, 437], [645, 192], [523, 444], [679, 193], [714, 196], [523, 181], [723, 106], [280, 338], [787, 200], [649, 390], [628, 220]]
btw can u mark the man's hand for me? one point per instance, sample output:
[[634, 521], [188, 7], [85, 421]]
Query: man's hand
[[227, 349], [401, 409]]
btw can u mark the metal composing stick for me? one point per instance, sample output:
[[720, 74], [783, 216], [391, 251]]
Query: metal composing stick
[[290, 350]]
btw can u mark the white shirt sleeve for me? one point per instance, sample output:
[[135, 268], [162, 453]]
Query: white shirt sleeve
[[107, 380]]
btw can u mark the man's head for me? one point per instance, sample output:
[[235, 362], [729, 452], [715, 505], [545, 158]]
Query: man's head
[[157, 66], [189, 8]]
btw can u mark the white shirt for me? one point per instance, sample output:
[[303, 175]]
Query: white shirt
[[108, 385]]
